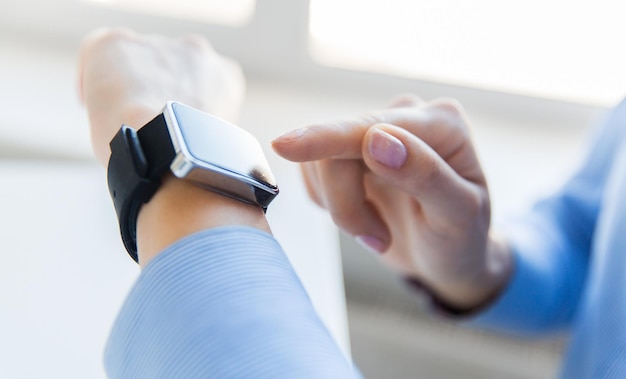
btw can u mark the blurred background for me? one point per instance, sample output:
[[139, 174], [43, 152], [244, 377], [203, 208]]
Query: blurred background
[[534, 77]]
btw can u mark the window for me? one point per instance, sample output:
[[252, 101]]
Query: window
[[557, 49]]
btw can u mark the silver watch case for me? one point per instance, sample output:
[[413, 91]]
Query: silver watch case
[[218, 155]]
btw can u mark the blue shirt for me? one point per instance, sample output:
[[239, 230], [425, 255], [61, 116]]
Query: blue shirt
[[570, 269]]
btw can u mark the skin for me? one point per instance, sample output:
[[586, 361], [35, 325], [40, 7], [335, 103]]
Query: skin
[[126, 78], [407, 183]]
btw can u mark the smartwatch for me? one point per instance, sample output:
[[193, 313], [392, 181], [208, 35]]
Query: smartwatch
[[194, 146]]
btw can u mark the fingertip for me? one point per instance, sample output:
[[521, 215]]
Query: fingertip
[[278, 148], [322, 141], [371, 243], [286, 145], [290, 136]]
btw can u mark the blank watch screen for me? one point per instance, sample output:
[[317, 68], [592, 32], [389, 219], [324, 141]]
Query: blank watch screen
[[222, 144]]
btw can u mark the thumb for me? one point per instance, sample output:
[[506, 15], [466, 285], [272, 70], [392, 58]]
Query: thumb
[[406, 162]]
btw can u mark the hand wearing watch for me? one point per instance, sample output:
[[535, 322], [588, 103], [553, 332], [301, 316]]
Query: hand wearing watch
[[194, 146]]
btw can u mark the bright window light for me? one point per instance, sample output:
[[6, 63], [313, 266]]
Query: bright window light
[[570, 50], [225, 12]]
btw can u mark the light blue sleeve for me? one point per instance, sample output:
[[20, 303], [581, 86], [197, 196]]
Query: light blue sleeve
[[552, 244], [223, 303]]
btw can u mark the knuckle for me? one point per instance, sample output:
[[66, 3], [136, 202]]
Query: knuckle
[[115, 34], [371, 118], [430, 172], [472, 214], [106, 40], [474, 203], [449, 105], [452, 114], [433, 173], [476, 207], [106, 37]]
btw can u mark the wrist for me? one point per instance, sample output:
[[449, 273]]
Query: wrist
[[475, 294], [180, 208]]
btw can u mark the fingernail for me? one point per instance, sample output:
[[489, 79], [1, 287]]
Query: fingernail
[[371, 243], [387, 149], [292, 135]]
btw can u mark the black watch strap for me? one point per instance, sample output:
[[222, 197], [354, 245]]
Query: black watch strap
[[138, 161]]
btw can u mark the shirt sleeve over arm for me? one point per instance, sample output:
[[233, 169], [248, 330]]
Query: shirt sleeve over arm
[[223, 303], [553, 243]]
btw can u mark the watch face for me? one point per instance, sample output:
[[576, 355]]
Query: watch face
[[215, 144]]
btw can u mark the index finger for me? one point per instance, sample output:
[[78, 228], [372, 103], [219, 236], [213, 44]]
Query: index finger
[[333, 140], [433, 123]]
